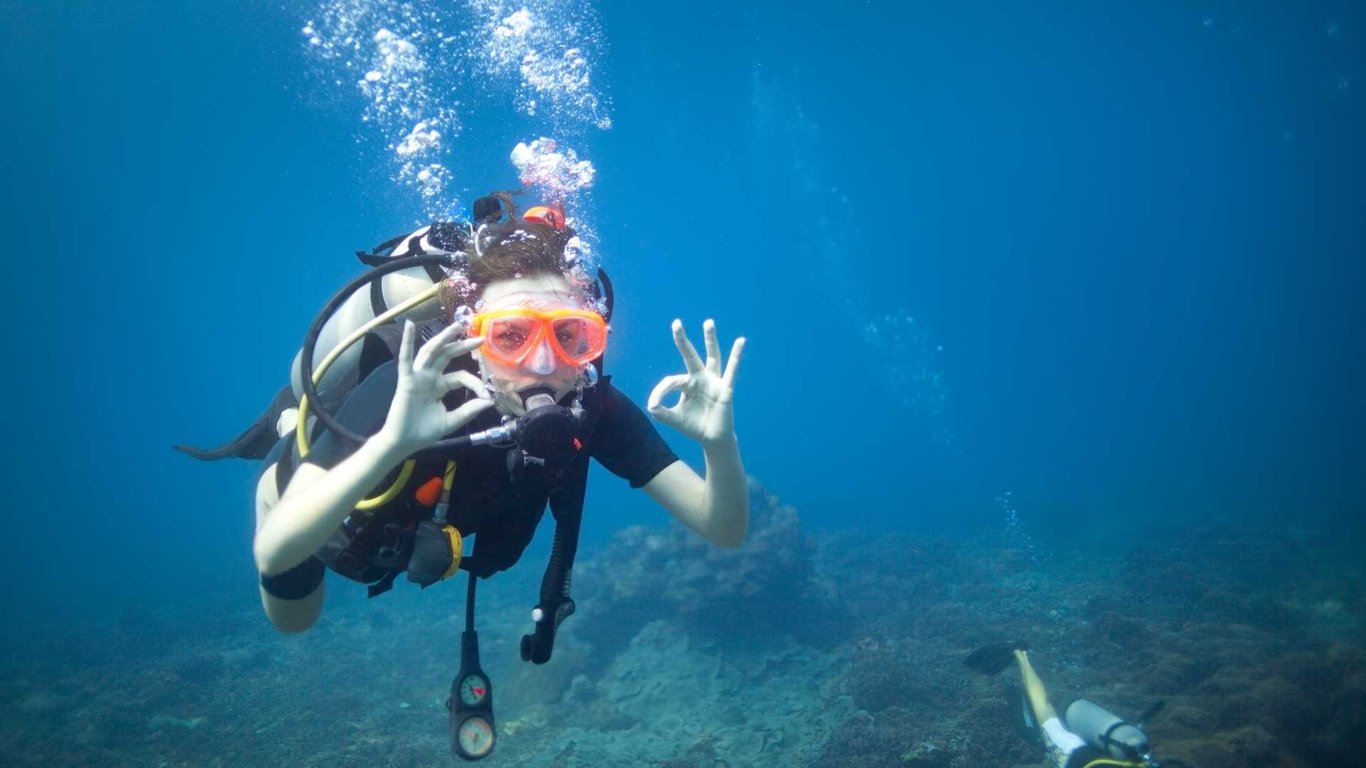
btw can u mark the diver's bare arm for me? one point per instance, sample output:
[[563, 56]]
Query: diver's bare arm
[[717, 507], [285, 614], [316, 502]]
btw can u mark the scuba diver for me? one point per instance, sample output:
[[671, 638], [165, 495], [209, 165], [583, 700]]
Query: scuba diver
[[1087, 735], [396, 443]]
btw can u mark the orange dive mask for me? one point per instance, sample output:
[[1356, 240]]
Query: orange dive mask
[[577, 336]]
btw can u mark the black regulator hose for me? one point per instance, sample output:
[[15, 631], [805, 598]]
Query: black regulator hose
[[316, 407], [556, 603]]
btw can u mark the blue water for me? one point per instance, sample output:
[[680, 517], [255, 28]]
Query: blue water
[[1106, 257]]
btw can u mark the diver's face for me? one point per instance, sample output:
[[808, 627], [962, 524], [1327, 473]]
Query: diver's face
[[541, 367]]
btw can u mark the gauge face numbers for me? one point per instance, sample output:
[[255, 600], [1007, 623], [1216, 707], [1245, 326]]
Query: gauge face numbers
[[474, 689], [475, 737]]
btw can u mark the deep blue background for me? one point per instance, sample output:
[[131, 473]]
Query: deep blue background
[[1130, 236]]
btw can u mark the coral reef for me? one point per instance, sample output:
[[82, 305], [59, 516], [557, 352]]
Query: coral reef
[[767, 587], [838, 650]]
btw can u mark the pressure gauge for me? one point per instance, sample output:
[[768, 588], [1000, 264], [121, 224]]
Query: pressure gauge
[[473, 690], [475, 737]]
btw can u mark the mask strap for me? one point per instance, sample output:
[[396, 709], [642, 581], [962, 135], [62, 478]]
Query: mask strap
[[479, 240]]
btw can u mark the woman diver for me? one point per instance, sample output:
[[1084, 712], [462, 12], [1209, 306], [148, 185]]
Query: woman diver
[[454, 402]]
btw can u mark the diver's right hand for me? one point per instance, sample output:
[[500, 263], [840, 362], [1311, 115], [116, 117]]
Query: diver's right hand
[[417, 417]]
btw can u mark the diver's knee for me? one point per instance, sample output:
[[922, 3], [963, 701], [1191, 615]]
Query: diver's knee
[[292, 625], [291, 622], [293, 599], [291, 617]]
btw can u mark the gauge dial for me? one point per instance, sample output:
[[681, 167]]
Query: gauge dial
[[473, 690], [475, 737]]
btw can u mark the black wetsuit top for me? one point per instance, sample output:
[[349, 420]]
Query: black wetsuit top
[[485, 501], [623, 439]]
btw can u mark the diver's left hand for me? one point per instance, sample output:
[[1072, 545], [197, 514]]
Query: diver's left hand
[[704, 410]]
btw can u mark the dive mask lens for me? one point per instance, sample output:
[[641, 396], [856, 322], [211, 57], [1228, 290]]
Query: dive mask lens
[[579, 338], [507, 339]]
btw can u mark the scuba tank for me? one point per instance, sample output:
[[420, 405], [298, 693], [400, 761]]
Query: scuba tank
[[1105, 731], [385, 293], [402, 283], [406, 274]]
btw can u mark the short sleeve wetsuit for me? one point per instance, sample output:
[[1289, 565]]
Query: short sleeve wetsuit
[[485, 500]]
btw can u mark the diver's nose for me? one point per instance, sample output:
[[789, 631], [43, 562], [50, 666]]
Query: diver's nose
[[542, 360]]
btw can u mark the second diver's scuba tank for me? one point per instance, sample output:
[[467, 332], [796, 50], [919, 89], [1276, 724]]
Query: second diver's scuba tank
[[1106, 731]]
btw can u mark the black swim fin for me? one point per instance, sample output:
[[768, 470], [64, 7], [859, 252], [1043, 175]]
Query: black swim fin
[[990, 659]]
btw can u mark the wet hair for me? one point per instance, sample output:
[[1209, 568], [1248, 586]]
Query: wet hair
[[504, 248]]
